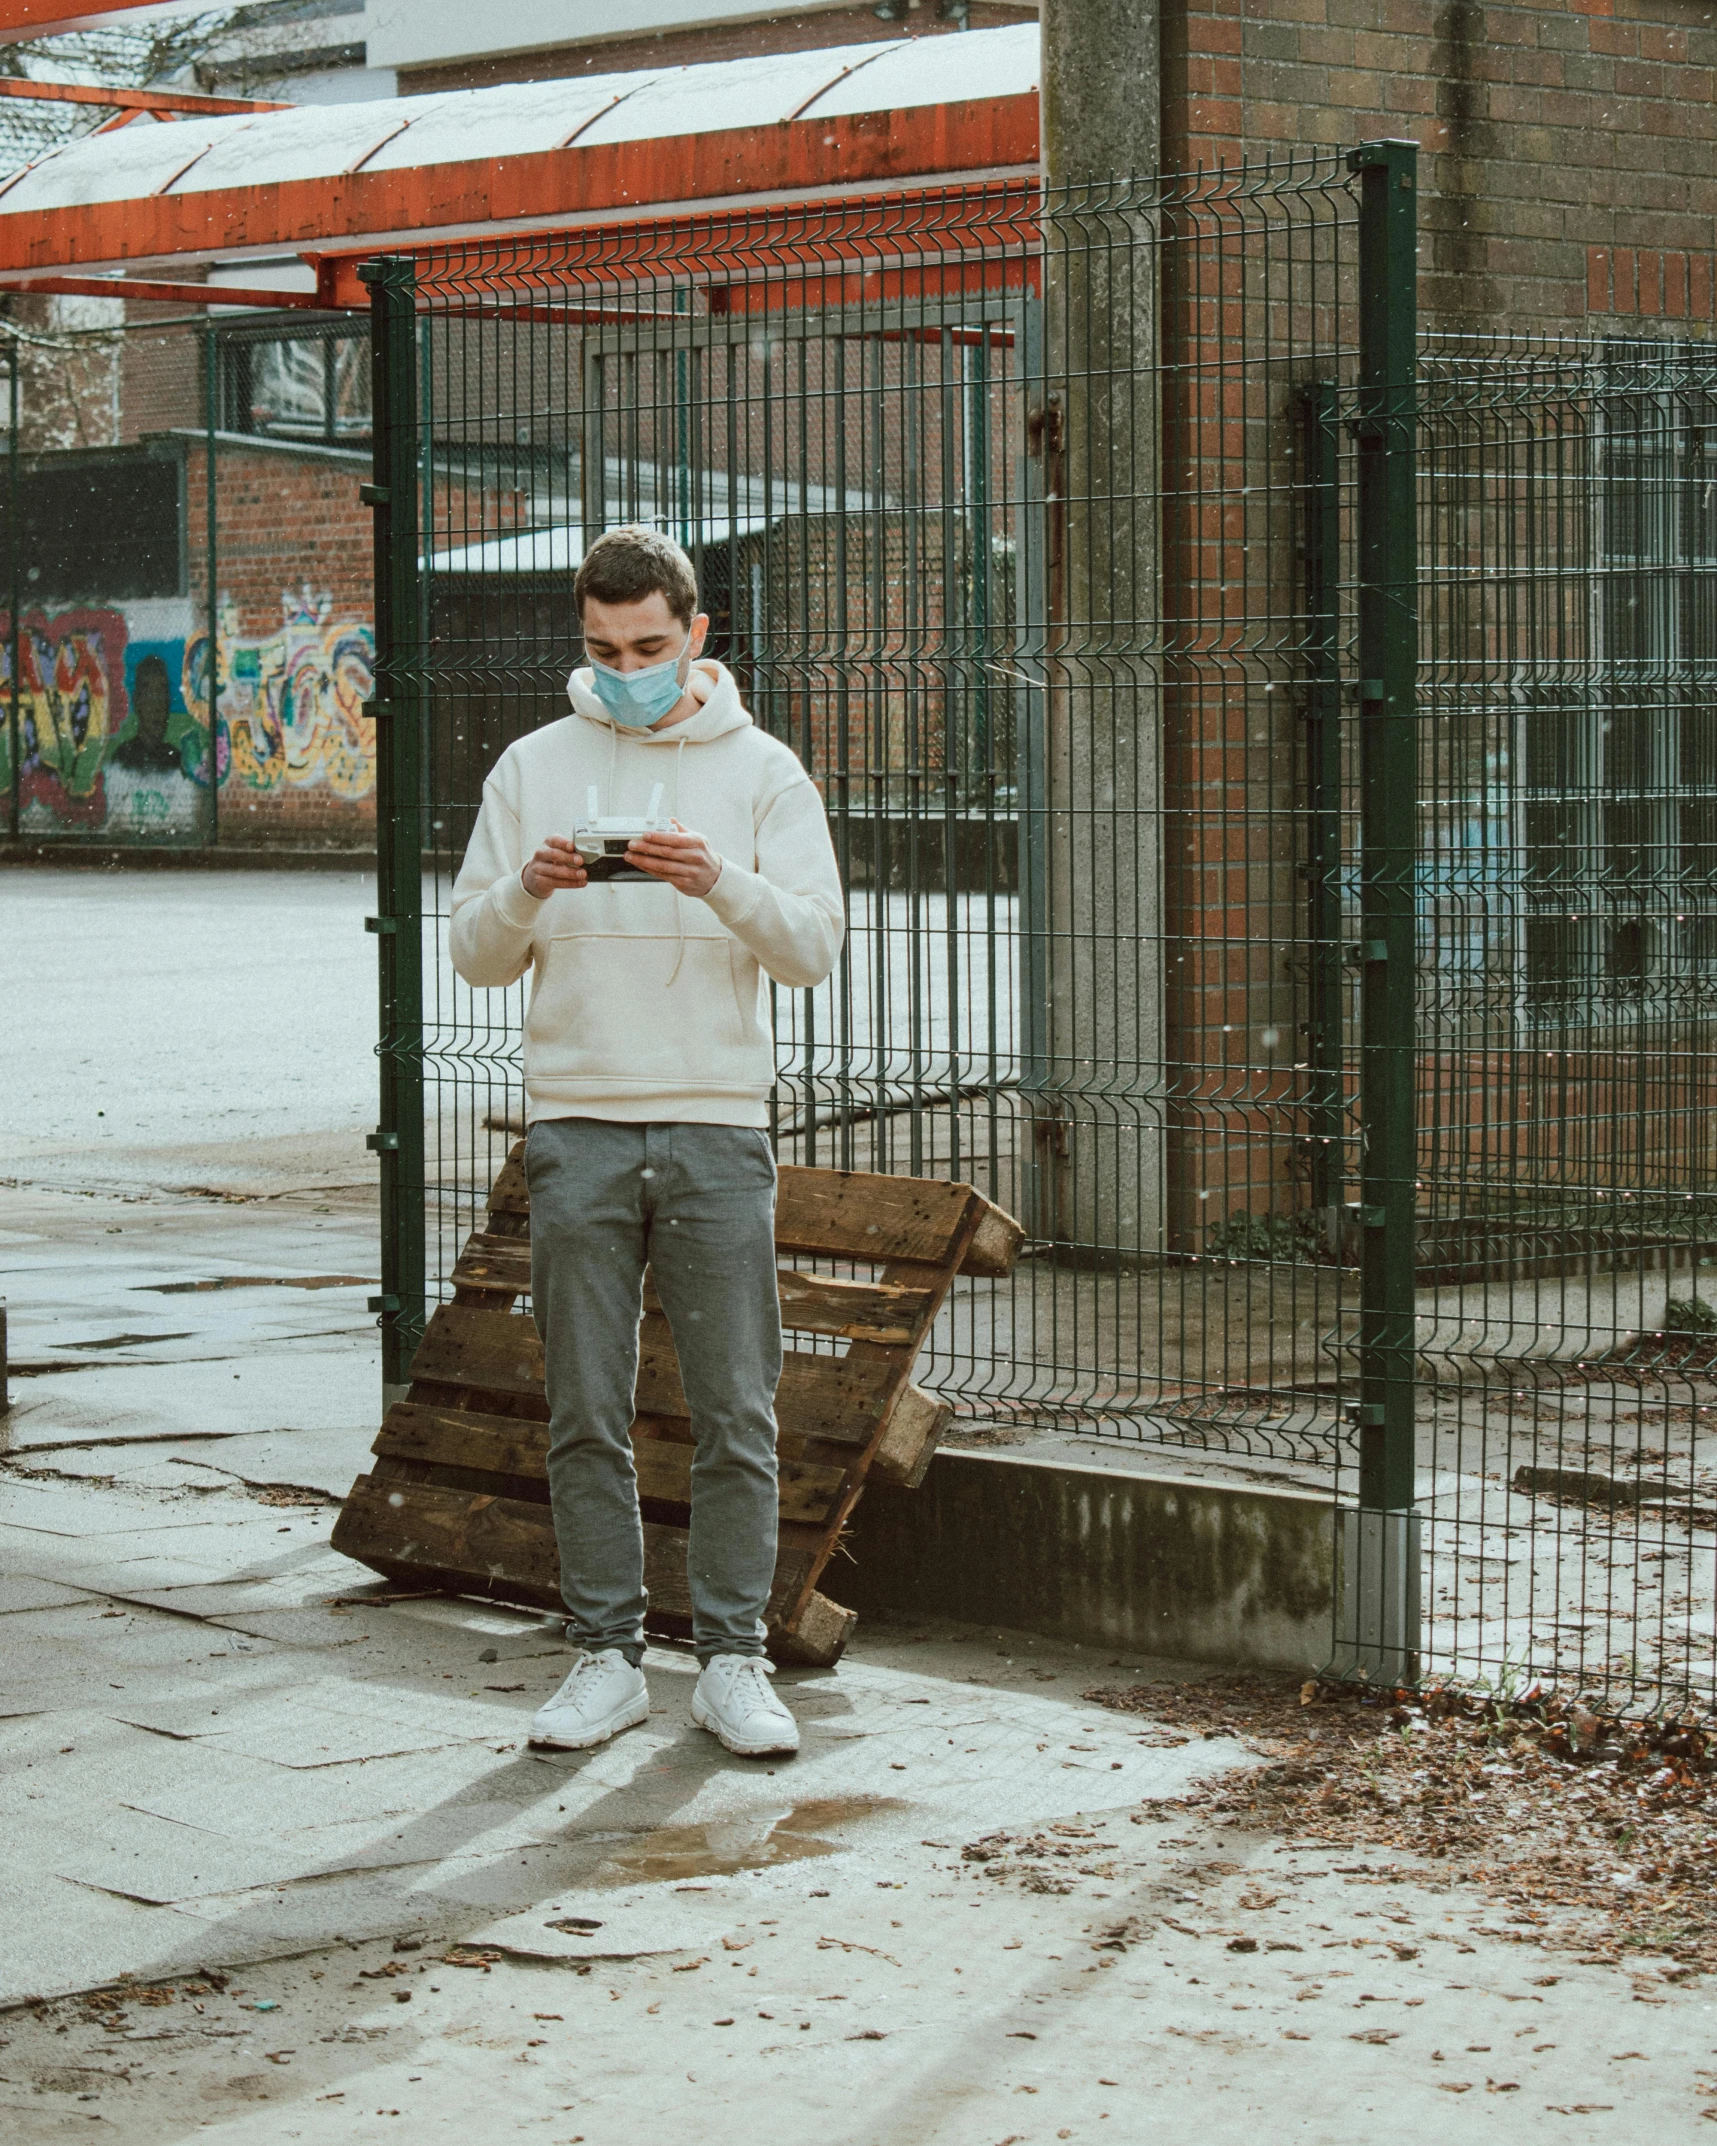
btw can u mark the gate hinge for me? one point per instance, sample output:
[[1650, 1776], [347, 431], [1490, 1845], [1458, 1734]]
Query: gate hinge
[[383, 1303], [1043, 428], [1367, 1414]]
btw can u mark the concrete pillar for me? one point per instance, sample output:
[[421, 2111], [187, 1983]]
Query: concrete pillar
[[1098, 1129], [1102, 89]]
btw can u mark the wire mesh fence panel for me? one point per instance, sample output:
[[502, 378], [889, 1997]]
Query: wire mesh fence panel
[[999, 502], [1568, 922]]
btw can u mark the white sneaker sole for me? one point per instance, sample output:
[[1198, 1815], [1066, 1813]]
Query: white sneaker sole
[[770, 1747], [626, 1717]]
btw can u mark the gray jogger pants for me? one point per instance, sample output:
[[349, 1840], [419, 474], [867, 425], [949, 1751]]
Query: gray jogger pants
[[697, 1204]]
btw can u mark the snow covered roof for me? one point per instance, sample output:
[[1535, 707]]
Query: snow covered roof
[[732, 508], [495, 126], [560, 549]]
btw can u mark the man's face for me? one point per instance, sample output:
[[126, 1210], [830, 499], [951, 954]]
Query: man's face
[[630, 637]]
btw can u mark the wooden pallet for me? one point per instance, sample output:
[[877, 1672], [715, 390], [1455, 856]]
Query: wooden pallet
[[458, 1495]]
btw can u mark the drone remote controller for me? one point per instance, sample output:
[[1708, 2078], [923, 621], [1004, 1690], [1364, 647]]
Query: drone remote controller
[[603, 843]]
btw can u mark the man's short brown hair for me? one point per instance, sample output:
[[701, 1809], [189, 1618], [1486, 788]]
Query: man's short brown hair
[[627, 564]]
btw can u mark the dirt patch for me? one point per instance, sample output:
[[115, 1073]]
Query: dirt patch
[[1592, 1834]]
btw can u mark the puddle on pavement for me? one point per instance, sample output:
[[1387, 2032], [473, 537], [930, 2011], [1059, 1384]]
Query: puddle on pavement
[[257, 1281], [673, 1854]]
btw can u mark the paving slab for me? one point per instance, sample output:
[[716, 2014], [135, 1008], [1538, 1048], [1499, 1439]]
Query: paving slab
[[333, 1384], [232, 1793], [19, 1591]]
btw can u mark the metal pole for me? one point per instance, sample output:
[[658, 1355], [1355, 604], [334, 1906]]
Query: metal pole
[[397, 707], [211, 428], [1388, 1575], [14, 562], [1326, 1115]]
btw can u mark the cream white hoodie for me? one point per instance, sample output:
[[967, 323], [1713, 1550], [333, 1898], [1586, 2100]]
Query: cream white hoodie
[[647, 1004]]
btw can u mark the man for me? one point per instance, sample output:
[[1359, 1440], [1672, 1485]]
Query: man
[[648, 1062]]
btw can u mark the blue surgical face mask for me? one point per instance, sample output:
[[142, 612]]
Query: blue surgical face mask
[[636, 699]]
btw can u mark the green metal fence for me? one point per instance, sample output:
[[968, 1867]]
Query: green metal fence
[[1264, 753], [999, 501], [1568, 929]]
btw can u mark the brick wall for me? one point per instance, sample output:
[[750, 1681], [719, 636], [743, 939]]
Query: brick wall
[[1552, 128], [287, 516], [296, 613], [294, 575]]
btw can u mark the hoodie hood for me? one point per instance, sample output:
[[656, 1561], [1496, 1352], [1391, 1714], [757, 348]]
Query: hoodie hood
[[713, 683]]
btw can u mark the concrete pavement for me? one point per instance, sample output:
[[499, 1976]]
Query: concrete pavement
[[280, 1866]]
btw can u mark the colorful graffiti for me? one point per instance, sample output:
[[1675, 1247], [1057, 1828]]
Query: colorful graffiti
[[73, 705], [109, 733], [292, 706]]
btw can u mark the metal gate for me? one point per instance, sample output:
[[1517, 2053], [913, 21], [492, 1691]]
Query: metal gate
[[1074, 542]]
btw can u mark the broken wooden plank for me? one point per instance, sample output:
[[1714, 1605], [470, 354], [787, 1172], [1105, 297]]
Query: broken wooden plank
[[818, 1636], [996, 1243], [835, 1399], [910, 1437], [504, 1446], [883, 1312], [484, 1350], [854, 1214], [810, 1303], [505, 1548], [509, 1194], [489, 1262]]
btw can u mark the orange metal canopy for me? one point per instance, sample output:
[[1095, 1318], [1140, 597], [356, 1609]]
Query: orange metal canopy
[[345, 179], [44, 18]]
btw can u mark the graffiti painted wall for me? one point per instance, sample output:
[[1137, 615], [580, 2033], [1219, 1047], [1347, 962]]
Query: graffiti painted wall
[[112, 733], [105, 747], [290, 704], [112, 737]]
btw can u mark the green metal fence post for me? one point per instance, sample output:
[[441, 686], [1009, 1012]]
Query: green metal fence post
[[1326, 1115], [211, 592], [398, 709], [14, 564], [1038, 419], [1383, 1563]]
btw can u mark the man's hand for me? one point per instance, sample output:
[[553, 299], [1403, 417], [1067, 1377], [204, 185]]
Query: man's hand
[[684, 860], [557, 864]]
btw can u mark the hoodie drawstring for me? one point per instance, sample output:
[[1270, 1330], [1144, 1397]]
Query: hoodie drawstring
[[679, 898]]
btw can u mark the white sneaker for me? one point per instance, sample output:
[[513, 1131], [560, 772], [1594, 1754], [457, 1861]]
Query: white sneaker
[[733, 1701], [603, 1695]]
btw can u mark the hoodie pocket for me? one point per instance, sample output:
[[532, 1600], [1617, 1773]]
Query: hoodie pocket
[[602, 1008]]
